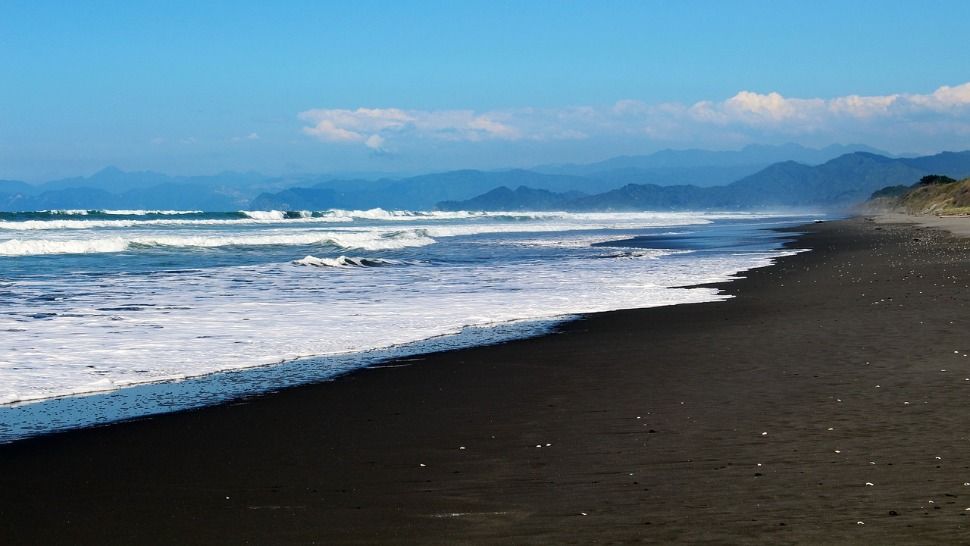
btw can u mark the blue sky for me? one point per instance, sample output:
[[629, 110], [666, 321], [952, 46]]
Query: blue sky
[[198, 87]]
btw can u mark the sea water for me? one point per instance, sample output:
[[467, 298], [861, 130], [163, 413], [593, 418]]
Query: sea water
[[108, 315]]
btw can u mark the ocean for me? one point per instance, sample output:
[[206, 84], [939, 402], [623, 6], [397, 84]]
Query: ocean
[[112, 315]]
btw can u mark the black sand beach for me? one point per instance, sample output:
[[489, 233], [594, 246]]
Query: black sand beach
[[829, 402]]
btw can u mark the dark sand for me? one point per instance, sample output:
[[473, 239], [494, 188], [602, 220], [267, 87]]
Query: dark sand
[[760, 419]]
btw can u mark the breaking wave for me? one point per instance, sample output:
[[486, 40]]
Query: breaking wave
[[34, 247], [84, 218], [349, 240], [345, 261]]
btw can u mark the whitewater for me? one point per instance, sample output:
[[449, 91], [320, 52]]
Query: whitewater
[[106, 301]]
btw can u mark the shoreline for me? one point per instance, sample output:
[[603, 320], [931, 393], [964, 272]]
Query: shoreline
[[230, 386], [22, 419], [639, 424]]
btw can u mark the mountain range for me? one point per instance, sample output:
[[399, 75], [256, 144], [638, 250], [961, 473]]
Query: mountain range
[[669, 179], [702, 167], [836, 184], [112, 188]]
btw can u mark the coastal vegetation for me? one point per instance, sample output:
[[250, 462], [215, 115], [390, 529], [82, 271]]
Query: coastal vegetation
[[933, 194]]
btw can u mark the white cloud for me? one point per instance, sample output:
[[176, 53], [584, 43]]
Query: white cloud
[[814, 113], [484, 125], [746, 116], [372, 126], [862, 107], [770, 108], [944, 98], [326, 129], [375, 142]]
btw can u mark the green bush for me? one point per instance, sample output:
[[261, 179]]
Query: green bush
[[933, 179]]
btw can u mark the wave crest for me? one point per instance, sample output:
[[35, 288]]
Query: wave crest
[[35, 247], [345, 261], [367, 240]]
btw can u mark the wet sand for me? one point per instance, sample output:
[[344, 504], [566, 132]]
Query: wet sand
[[829, 402]]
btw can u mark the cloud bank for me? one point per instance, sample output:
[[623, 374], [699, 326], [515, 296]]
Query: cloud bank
[[943, 115], [372, 127]]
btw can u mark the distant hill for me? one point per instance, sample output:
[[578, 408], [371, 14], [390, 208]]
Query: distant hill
[[14, 186], [703, 175], [754, 154], [521, 198], [701, 167], [848, 179], [836, 184], [934, 194], [112, 188], [417, 192]]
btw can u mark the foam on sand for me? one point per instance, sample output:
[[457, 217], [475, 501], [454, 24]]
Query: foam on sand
[[125, 330]]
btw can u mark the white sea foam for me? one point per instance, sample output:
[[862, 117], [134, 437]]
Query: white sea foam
[[33, 225], [50, 225], [366, 240], [410, 216], [434, 218], [345, 261], [68, 212], [129, 234], [33, 247], [124, 330], [121, 212], [658, 218], [264, 214], [140, 212]]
